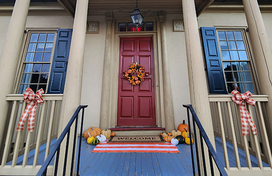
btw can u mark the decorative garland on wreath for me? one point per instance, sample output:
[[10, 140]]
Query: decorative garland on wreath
[[135, 74]]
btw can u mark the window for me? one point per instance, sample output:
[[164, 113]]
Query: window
[[235, 61], [145, 26], [37, 61]]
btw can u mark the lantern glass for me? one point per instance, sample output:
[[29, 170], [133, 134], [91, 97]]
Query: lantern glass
[[137, 17]]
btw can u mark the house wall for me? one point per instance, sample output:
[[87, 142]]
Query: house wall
[[4, 21]]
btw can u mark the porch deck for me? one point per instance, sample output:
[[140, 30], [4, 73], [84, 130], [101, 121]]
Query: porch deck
[[142, 163]]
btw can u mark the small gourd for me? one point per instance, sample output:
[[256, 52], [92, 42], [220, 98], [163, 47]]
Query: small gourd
[[163, 135], [90, 139], [95, 141], [112, 134], [185, 134], [175, 133], [106, 133], [183, 127], [174, 141], [188, 140], [180, 139], [168, 138], [169, 134]]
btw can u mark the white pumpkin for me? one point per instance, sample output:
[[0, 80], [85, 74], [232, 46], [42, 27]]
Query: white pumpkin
[[101, 138], [174, 141]]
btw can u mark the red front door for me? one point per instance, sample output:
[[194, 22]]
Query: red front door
[[136, 104]]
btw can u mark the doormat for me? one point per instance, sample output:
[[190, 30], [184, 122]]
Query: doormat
[[136, 147], [150, 138]]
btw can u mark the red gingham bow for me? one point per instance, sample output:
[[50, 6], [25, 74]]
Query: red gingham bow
[[241, 100], [33, 100]]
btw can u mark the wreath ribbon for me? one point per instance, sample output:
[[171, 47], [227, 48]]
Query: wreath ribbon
[[33, 100], [241, 100]]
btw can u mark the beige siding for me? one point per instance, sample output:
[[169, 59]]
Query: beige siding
[[93, 73], [4, 21], [176, 51]]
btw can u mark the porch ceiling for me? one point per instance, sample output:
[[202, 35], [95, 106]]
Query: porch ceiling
[[99, 7]]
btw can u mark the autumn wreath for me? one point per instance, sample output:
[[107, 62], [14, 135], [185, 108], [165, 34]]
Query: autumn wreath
[[135, 74]]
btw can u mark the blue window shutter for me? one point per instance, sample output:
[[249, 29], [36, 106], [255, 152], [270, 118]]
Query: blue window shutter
[[213, 61], [60, 61]]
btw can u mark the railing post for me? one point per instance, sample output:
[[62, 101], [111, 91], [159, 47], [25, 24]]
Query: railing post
[[191, 145]]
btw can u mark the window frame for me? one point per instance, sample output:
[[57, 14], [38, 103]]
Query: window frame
[[248, 49], [24, 51]]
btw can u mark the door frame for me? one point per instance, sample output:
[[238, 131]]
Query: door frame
[[114, 69]]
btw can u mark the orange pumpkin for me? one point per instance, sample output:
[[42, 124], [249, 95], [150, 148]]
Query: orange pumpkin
[[112, 134], [183, 127], [168, 138], [93, 131]]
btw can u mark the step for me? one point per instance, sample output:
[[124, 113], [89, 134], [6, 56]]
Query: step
[[132, 131]]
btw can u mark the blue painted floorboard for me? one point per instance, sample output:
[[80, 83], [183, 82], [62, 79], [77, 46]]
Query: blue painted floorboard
[[142, 164]]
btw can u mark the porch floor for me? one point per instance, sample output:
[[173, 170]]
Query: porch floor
[[141, 163]]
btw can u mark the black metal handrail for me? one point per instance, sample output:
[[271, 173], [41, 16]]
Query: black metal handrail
[[203, 135], [56, 148]]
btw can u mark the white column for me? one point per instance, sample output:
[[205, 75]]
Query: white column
[[262, 55], [73, 84], [197, 76], [10, 57], [105, 99], [167, 91]]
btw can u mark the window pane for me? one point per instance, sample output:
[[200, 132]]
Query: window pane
[[225, 55], [238, 35], [44, 78], [242, 55], [31, 47], [231, 87], [244, 66], [38, 57], [29, 57], [235, 66], [122, 27], [40, 47], [141, 27], [48, 47], [247, 77], [46, 57], [34, 87], [240, 45], [42, 87], [28, 68], [237, 76], [230, 35], [35, 78], [223, 45], [226, 66], [221, 35], [42, 38], [241, 87], [232, 45], [50, 38], [249, 87], [23, 87], [149, 26], [228, 76], [26, 78], [234, 55], [131, 27], [37, 67], [34, 37], [45, 67]]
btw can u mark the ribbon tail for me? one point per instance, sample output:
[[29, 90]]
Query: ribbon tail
[[31, 119], [22, 120], [252, 125]]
